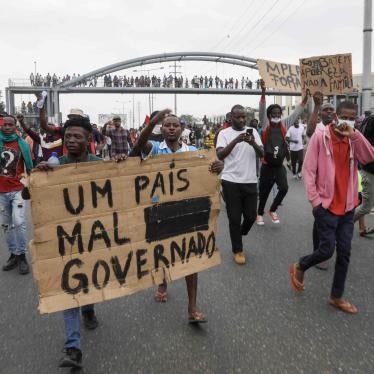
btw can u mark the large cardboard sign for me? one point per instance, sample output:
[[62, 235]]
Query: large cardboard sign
[[104, 230], [331, 75], [280, 76]]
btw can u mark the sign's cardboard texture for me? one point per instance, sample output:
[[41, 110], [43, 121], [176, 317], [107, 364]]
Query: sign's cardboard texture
[[280, 76], [105, 230], [331, 75]]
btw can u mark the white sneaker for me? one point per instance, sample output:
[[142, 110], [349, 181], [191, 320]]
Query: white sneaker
[[260, 220], [299, 176], [294, 176], [274, 217]]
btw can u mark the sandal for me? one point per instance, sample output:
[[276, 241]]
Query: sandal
[[161, 296], [296, 285], [343, 305], [196, 317], [367, 232]]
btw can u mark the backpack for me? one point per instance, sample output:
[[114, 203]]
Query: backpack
[[275, 146]]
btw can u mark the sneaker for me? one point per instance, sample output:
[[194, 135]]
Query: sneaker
[[294, 176], [239, 258], [11, 263], [274, 217], [300, 176], [72, 358], [23, 266], [89, 320], [260, 220]]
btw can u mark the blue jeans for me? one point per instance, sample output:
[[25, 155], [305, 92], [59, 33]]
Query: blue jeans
[[73, 326], [13, 221], [333, 232]]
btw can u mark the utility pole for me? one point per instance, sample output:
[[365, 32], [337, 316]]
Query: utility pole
[[133, 111], [175, 72], [366, 68]]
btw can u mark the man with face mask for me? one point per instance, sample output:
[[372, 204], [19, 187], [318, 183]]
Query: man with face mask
[[295, 138], [330, 176], [275, 149], [326, 113]]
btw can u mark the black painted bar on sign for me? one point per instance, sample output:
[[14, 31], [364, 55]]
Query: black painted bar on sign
[[174, 218]]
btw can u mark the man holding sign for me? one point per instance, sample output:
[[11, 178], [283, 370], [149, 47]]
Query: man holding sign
[[76, 139], [171, 130]]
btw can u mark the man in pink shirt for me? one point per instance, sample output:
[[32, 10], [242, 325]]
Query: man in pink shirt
[[330, 177]]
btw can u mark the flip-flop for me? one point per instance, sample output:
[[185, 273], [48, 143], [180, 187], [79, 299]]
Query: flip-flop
[[296, 285], [367, 232], [196, 317], [344, 306], [161, 296]]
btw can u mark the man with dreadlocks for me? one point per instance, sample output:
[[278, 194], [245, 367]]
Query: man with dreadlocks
[[275, 149]]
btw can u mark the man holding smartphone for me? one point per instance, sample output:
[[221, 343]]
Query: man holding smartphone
[[239, 146]]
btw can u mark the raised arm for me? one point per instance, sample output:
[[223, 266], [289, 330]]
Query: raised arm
[[290, 120], [262, 106], [142, 144], [26, 127], [312, 122], [44, 125]]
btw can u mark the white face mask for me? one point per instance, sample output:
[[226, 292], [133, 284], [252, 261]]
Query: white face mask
[[347, 122], [275, 120]]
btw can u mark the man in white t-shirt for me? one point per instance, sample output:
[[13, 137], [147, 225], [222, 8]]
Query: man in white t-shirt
[[239, 146], [295, 137]]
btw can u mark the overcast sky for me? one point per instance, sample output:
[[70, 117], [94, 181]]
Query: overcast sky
[[67, 36]]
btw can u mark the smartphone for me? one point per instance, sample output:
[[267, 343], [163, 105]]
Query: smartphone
[[250, 132]]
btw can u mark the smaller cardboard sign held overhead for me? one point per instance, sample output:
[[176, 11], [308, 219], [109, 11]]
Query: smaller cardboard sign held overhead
[[280, 76], [331, 75]]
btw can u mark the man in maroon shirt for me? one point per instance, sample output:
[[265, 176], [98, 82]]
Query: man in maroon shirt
[[15, 158]]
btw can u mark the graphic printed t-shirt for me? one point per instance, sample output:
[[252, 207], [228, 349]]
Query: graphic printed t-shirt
[[296, 133], [240, 164], [11, 168]]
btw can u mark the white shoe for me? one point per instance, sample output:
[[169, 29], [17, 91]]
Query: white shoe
[[274, 217], [260, 220]]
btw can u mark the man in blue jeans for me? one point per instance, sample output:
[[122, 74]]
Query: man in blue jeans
[[15, 159], [76, 139]]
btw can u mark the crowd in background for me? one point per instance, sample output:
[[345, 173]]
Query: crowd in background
[[166, 81]]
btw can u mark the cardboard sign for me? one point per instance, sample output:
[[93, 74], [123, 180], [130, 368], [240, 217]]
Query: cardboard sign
[[331, 75], [103, 230], [280, 76]]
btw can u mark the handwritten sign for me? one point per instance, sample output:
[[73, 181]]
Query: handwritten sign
[[104, 230], [280, 76], [331, 75]]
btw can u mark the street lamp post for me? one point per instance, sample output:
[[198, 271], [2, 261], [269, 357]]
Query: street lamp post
[[35, 68], [366, 69]]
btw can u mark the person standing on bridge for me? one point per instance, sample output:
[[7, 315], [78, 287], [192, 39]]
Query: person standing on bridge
[[76, 138], [272, 171], [330, 177], [239, 146]]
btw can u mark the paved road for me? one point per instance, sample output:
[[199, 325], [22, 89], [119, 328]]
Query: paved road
[[256, 323]]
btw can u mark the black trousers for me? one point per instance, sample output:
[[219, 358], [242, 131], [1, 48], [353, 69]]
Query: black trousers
[[297, 157], [333, 231], [268, 176], [241, 200]]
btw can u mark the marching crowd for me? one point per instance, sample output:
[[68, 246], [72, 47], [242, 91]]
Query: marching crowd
[[250, 163], [166, 81]]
